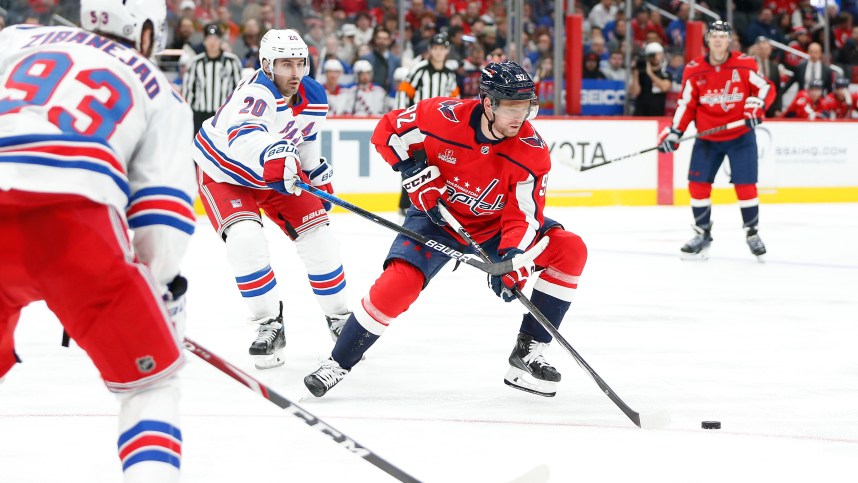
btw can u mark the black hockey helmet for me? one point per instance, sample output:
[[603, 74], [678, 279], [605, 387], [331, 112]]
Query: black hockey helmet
[[508, 81], [841, 83], [440, 39], [721, 27], [816, 84]]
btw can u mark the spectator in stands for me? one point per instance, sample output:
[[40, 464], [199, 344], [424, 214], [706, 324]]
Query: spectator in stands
[[187, 9], [231, 29], [591, 67], [247, 47], [315, 36], [676, 28], [675, 67], [781, 8], [650, 82], [769, 68], [186, 38], [339, 99], [807, 103], [764, 26], [597, 46], [364, 33], [642, 24], [615, 70], [543, 47], [617, 36], [458, 47], [384, 9], [352, 7], [810, 70], [382, 61], [848, 55], [842, 30], [347, 50], [602, 13], [800, 42], [369, 99], [805, 16]]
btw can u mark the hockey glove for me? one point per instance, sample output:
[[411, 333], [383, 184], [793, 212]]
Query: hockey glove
[[281, 168], [174, 299], [503, 284], [668, 140], [424, 186], [755, 109], [321, 177]]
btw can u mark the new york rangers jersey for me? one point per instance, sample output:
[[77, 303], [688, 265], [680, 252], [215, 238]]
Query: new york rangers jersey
[[229, 146], [82, 114], [712, 96], [492, 186]]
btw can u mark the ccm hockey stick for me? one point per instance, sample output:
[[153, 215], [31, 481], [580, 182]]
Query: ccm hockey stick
[[297, 411], [499, 268], [732, 125], [645, 421]]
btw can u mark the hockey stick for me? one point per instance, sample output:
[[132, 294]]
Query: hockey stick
[[645, 421], [707, 132], [486, 266], [298, 412]]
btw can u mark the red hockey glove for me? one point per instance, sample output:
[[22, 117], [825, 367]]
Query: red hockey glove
[[503, 285], [281, 168], [755, 110], [668, 140], [425, 187], [321, 177]]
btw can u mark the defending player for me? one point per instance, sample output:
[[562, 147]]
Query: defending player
[[717, 89], [269, 129], [842, 103], [90, 145], [486, 163]]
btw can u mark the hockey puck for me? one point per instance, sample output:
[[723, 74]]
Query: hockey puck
[[711, 424]]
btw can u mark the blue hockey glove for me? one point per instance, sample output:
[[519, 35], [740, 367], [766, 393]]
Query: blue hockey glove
[[668, 140], [503, 284]]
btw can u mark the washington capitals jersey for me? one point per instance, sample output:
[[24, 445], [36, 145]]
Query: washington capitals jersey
[[803, 107], [81, 114], [712, 96], [847, 108], [230, 145], [492, 186]]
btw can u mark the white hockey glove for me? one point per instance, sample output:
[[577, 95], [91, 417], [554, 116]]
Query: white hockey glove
[[174, 299], [321, 177], [282, 168], [668, 140], [755, 110]]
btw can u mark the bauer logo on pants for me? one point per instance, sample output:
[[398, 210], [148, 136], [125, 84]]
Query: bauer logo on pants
[[145, 364]]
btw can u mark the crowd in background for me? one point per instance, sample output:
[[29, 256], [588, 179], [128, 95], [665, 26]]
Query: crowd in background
[[342, 34]]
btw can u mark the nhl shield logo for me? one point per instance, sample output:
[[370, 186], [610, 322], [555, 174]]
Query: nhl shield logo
[[484, 150], [145, 364], [235, 203]]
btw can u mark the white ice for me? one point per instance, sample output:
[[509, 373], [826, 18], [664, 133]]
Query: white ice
[[767, 349]]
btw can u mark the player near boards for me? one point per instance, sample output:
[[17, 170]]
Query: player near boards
[[268, 129], [483, 160], [90, 146], [719, 88]]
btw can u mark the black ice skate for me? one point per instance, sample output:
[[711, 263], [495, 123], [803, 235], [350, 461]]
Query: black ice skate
[[336, 324], [267, 349], [698, 247], [528, 370], [755, 243], [325, 377]]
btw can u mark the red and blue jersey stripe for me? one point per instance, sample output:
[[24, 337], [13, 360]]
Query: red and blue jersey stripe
[[256, 283], [328, 283], [242, 174], [160, 205], [150, 440]]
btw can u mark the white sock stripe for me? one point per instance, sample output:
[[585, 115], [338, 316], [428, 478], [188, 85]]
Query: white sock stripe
[[563, 277], [749, 203], [370, 318], [565, 294], [695, 203]]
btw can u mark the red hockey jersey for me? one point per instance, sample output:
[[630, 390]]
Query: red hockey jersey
[[712, 96], [845, 109], [492, 186], [802, 107]]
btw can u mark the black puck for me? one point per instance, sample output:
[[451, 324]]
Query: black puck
[[711, 424]]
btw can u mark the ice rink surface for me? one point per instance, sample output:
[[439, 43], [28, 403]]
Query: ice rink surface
[[770, 350]]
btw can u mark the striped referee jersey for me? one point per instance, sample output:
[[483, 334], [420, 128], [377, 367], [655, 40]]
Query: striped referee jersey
[[208, 82], [424, 82]]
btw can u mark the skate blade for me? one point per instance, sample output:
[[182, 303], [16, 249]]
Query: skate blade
[[521, 380], [268, 361], [761, 258]]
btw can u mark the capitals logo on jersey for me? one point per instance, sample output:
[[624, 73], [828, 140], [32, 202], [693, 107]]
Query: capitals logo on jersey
[[476, 199], [726, 98], [446, 108]]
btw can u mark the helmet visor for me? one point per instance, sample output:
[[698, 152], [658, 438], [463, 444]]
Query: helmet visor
[[514, 110]]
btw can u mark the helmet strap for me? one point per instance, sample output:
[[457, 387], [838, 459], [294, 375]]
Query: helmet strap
[[492, 120]]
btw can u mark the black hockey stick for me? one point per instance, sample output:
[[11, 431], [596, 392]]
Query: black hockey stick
[[707, 132], [645, 421], [499, 268], [311, 420]]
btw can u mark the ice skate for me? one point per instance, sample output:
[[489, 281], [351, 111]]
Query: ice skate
[[698, 247], [528, 370], [755, 243], [325, 377], [336, 323], [267, 349]]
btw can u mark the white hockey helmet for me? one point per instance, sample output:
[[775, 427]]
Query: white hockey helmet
[[362, 66], [283, 44], [126, 19]]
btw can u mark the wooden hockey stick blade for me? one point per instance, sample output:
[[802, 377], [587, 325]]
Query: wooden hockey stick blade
[[286, 404], [538, 474]]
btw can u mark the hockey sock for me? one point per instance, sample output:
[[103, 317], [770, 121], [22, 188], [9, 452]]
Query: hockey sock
[[353, 341], [150, 442], [552, 308], [701, 202], [247, 251], [320, 252], [749, 204]]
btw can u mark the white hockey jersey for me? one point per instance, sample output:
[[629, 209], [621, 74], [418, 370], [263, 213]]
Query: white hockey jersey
[[369, 100], [85, 115], [230, 145]]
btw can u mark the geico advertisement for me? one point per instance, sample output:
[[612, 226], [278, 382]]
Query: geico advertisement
[[793, 154]]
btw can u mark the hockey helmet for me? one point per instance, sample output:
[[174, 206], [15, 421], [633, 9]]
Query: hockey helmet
[[841, 83], [508, 81], [283, 44], [816, 84], [719, 27], [126, 20], [362, 66], [653, 48]]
